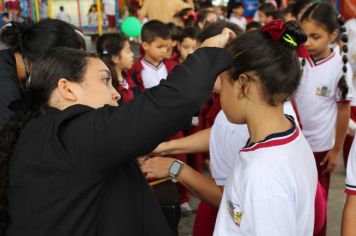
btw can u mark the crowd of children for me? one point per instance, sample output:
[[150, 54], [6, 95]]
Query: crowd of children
[[328, 96], [270, 172]]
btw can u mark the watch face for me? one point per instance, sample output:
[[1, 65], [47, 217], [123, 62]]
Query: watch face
[[175, 168]]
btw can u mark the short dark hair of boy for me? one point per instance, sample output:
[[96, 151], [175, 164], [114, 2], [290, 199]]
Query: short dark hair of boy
[[267, 8], [203, 13], [216, 28], [174, 31], [189, 32], [252, 25], [277, 14], [289, 9], [154, 29], [237, 5], [61, 8]]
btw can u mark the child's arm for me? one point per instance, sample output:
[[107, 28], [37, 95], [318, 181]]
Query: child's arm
[[349, 217], [202, 186], [197, 142], [342, 119]]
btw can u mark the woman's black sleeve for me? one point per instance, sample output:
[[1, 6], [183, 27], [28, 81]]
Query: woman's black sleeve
[[136, 128]]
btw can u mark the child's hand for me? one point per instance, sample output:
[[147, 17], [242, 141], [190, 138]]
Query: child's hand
[[157, 167], [332, 159], [219, 40]]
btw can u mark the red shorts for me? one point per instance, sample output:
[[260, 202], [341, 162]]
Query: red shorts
[[12, 5], [112, 21]]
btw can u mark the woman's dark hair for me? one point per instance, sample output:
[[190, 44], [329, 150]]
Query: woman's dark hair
[[274, 62], [32, 41], [47, 70], [326, 15], [109, 45]]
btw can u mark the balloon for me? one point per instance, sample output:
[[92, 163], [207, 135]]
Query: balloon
[[131, 26]]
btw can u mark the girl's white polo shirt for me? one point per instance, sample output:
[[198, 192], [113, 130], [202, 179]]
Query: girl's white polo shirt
[[316, 99], [271, 190]]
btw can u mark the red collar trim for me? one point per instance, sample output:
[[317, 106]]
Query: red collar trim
[[319, 62], [325, 59], [350, 192], [278, 141]]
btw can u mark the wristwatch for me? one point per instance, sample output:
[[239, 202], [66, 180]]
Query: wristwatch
[[175, 169]]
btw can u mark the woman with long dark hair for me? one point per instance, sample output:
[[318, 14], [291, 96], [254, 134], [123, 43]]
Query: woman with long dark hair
[[68, 156], [26, 44]]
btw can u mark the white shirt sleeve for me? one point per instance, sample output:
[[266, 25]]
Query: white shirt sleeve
[[226, 141], [350, 187], [272, 215]]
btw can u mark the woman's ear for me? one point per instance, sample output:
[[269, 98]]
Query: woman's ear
[[65, 89]]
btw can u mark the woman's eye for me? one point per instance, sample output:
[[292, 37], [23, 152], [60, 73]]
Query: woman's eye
[[107, 80]]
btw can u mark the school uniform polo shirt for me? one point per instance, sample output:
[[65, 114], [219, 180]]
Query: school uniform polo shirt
[[152, 75], [271, 190], [226, 141], [316, 99], [350, 187]]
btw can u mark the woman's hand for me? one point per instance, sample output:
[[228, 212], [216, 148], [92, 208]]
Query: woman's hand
[[160, 149], [156, 167], [219, 40]]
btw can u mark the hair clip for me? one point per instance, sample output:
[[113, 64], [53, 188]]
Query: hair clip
[[7, 25], [105, 52], [287, 38]]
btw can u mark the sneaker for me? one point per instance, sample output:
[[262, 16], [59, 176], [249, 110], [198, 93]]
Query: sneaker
[[185, 209]]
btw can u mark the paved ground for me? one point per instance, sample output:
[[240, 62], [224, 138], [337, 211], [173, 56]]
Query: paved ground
[[335, 207]]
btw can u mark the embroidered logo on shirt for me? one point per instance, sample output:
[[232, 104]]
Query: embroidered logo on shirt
[[235, 212], [323, 91]]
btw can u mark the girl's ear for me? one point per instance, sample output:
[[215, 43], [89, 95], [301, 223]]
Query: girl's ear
[[333, 35], [115, 59]]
